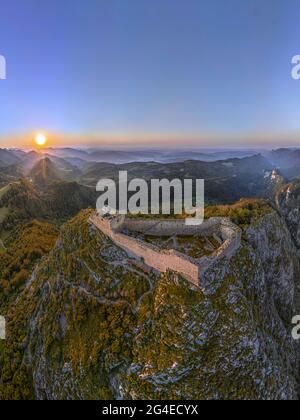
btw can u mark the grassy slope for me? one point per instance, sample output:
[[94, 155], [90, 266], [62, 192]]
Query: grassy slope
[[25, 248]]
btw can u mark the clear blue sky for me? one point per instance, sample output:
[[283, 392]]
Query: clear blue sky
[[150, 66]]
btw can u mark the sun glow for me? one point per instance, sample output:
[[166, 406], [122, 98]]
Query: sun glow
[[40, 140]]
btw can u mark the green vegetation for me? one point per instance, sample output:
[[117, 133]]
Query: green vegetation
[[3, 213], [97, 303], [25, 247], [243, 213], [3, 191], [21, 201]]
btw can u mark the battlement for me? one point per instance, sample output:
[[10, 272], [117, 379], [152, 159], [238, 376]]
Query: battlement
[[117, 229]]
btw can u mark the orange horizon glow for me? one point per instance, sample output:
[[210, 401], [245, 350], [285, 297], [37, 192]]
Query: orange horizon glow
[[179, 140]]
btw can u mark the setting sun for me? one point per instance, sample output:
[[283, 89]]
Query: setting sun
[[41, 140]]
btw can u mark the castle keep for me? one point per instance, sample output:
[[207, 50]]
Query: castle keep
[[132, 235]]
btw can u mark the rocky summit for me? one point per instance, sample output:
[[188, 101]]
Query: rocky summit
[[95, 326], [88, 317]]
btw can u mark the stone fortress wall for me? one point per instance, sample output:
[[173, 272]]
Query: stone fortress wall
[[163, 260]]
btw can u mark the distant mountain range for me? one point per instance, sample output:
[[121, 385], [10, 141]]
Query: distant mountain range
[[79, 156], [241, 174]]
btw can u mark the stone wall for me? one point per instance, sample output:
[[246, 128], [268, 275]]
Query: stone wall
[[160, 260], [171, 227], [231, 234]]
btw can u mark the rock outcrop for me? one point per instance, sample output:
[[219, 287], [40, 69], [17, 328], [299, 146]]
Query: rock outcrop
[[101, 328], [288, 204]]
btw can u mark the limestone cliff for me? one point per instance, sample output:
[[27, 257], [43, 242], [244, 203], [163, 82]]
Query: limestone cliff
[[288, 203], [99, 327], [234, 341]]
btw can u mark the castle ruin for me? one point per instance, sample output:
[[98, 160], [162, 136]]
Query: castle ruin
[[121, 231]]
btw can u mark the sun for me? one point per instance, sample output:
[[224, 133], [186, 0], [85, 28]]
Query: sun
[[40, 139]]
